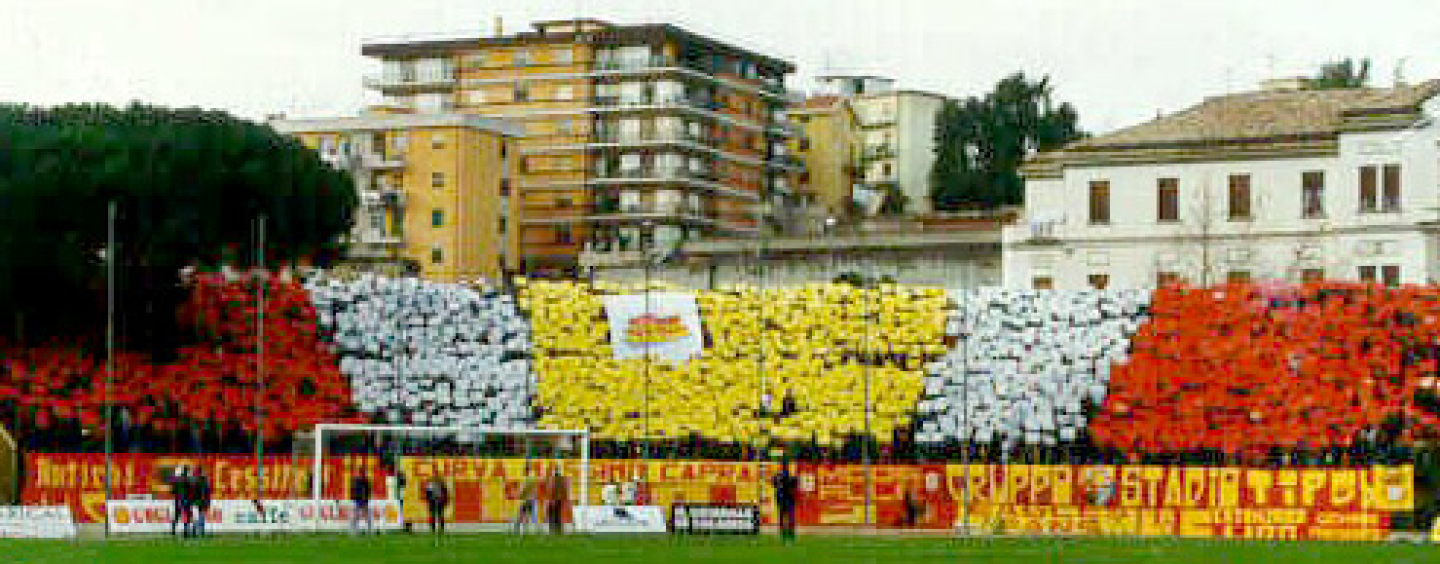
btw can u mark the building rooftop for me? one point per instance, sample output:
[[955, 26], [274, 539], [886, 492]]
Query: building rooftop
[[397, 121], [1279, 120], [1271, 114], [556, 31]]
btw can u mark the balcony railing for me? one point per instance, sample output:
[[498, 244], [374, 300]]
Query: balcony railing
[[381, 161], [443, 80], [651, 137], [659, 172], [636, 64], [874, 152]]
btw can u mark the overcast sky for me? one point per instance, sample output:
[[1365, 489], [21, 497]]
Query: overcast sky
[[1119, 61]]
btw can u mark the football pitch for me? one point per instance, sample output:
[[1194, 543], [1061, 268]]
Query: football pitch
[[424, 549]]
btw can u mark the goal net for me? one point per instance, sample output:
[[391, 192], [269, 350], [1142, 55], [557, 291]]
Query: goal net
[[487, 475]]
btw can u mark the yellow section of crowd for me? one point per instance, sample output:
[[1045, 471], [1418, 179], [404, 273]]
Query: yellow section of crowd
[[806, 343]]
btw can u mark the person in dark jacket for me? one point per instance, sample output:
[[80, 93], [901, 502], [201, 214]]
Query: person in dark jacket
[[180, 488], [786, 487], [360, 494], [558, 500], [437, 498], [200, 497]]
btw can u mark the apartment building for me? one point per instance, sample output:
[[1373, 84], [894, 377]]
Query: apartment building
[[896, 131], [1282, 183], [827, 146], [429, 186], [636, 136]]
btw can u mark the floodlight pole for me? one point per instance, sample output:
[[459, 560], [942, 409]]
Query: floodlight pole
[[260, 361], [318, 472], [110, 252]]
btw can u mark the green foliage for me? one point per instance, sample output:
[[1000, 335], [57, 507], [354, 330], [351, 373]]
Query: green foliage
[[189, 185], [1344, 73], [980, 143]]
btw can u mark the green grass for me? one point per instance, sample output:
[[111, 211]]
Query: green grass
[[424, 549]]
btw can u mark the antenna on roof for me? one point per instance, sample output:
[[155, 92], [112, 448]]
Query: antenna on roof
[[1400, 72]]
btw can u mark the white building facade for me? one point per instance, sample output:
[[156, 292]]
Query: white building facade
[[897, 142], [1279, 184]]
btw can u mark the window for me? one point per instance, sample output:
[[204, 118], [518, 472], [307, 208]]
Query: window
[[1239, 197], [504, 186], [1369, 198], [437, 141], [522, 92], [562, 202], [437, 180], [437, 256], [1390, 187], [1167, 278], [1042, 283], [377, 219], [1237, 276], [1100, 202], [1167, 200], [886, 170], [1390, 275], [564, 92], [1312, 275], [503, 224], [563, 235], [1312, 195], [522, 57], [1367, 273], [1099, 281], [804, 144], [437, 218], [562, 55]]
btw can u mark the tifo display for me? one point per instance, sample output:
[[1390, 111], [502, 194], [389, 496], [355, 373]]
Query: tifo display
[[1309, 387]]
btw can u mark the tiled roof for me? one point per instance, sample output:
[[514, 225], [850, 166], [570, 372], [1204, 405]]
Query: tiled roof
[[1267, 115]]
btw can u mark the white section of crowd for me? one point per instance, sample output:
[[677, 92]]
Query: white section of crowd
[[1026, 363], [427, 353]]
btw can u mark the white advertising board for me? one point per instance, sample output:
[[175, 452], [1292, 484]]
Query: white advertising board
[[236, 516], [36, 522], [620, 519]]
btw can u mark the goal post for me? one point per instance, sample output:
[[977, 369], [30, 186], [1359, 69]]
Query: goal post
[[346, 446]]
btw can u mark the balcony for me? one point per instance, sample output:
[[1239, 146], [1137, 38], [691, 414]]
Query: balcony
[[878, 152], [387, 196], [376, 239], [653, 62], [411, 82], [381, 161]]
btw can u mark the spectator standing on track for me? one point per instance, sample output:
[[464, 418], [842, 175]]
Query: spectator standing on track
[[201, 499], [180, 487], [360, 495], [556, 502], [437, 498], [786, 486], [529, 511]]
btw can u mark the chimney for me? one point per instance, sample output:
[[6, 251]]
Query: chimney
[[499, 26], [1286, 84]]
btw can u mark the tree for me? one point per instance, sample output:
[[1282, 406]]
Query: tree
[[189, 185], [1344, 73], [980, 143]]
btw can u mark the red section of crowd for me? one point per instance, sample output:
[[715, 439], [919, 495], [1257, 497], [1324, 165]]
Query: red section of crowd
[[1246, 369], [214, 383]]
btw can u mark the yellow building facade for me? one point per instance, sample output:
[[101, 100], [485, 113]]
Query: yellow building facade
[[828, 146], [432, 191], [634, 135]]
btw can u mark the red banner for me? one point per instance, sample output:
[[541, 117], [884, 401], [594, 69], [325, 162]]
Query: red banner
[[78, 480], [1321, 504]]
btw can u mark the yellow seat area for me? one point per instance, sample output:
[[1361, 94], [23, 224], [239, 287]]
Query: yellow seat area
[[819, 343]]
